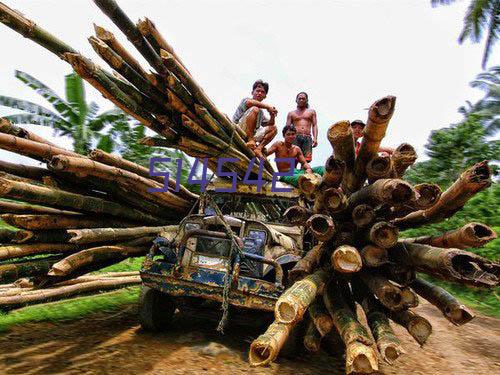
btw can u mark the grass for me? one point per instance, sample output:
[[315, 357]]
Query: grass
[[72, 309]]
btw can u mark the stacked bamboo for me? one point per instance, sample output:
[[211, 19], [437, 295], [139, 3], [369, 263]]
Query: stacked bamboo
[[360, 259], [169, 101], [78, 215]]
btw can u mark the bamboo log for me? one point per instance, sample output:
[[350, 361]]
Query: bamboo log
[[111, 9], [27, 28], [388, 344], [45, 222], [63, 292], [329, 200], [399, 273], [308, 182], [132, 181], [265, 348], [46, 236], [19, 251], [470, 182], [379, 115], [470, 235], [409, 297], [334, 172], [7, 235], [346, 259], [320, 317], [321, 226], [448, 264], [113, 43], [153, 101], [312, 338], [342, 141], [383, 234], [427, 195], [22, 208], [7, 128], [387, 293], [85, 257], [15, 270], [417, 326], [119, 162], [65, 200], [32, 149], [85, 236], [306, 264], [155, 142], [363, 215], [297, 215], [374, 256], [451, 308], [35, 173], [293, 303], [383, 191], [360, 356], [402, 158], [379, 167]]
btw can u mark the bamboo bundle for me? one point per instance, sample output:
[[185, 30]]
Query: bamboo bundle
[[85, 236], [57, 293], [22, 208], [7, 128], [15, 270], [32, 149], [45, 222], [19, 251]]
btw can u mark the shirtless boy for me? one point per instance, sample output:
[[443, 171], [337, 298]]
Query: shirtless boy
[[250, 117], [304, 120], [286, 149]]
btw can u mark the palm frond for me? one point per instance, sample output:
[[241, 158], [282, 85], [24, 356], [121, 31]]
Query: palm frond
[[75, 95], [59, 104], [475, 21], [27, 118], [435, 3], [27, 106], [107, 118], [105, 143], [93, 111], [493, 31]]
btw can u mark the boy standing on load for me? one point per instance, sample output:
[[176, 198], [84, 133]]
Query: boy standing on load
[[304, 120], [250, 117]]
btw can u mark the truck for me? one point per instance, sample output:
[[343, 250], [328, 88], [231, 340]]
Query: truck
[[196, 260]]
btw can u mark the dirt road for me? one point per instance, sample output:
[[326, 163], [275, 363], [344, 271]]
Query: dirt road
[[114, 344]]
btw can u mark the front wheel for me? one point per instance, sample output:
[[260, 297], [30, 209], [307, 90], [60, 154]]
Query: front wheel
[[156, 310]]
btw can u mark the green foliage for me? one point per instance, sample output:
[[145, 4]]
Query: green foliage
[[451, 150], [481, 16]]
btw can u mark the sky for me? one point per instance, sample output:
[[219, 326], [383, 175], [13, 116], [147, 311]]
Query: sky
[[344, 53]]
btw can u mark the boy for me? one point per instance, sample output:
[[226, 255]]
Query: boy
[[250, 117], [286, 149]]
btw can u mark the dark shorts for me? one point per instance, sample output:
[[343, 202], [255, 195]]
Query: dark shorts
[[305, 142]]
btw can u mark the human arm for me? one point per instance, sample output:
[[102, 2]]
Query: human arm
[[314, 128], [271, 150], [302, 160], [255, 103], [289, 119]]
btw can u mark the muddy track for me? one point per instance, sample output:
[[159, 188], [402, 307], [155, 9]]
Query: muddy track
[[114, 344]]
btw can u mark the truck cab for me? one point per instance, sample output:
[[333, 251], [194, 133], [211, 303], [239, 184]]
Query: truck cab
[[195, 258]]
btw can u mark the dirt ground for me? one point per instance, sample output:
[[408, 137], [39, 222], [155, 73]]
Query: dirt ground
[[114, 344]]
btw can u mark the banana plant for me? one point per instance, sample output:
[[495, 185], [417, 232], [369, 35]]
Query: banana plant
[[72, 116]]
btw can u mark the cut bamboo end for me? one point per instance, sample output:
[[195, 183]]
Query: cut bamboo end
[[360, 359], [346, 259], [374, 256], [363, 215], [427, 195], [334, 199], [334, 171], [265, 348], [339, 130], [420, 329], [379, 167], [390, 352], [308, 182], [409, 298], [321, 226], [297, 215], [384, 234]]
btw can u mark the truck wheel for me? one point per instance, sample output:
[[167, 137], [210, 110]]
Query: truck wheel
[[155, 310]]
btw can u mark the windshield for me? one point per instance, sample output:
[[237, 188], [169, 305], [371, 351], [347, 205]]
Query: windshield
[[266, 209]]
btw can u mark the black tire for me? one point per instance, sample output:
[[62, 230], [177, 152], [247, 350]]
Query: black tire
[[156, 310]]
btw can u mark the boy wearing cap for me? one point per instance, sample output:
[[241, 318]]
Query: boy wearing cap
[[250, 117]]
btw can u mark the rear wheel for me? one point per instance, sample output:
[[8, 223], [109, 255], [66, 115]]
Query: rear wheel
[[156, 310]]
